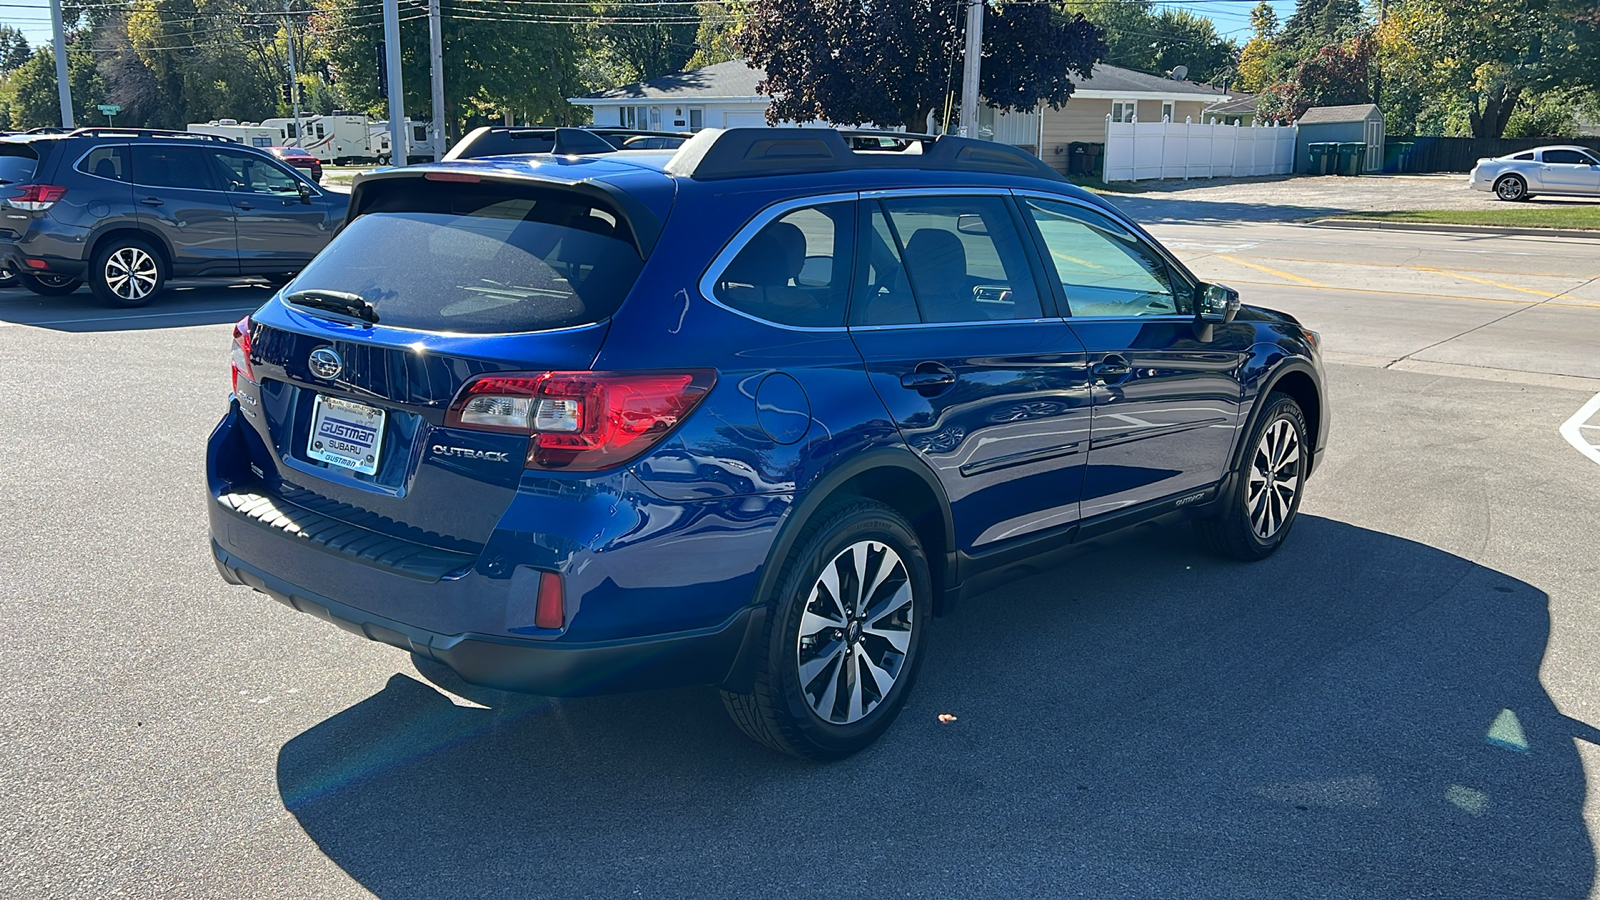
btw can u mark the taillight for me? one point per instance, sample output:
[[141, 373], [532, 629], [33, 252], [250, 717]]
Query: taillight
[[240, 361], [36, 197], [583, 421]]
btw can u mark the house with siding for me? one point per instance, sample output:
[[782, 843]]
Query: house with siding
[[725, 96]]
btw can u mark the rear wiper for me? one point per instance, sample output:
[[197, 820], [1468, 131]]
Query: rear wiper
[[353, 305]]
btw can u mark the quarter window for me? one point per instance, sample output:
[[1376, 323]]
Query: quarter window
[[106, 162], [1104, 269], [795, 270], [944, 260]]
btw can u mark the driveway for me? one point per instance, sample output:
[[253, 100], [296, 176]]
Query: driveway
[[1290, 198]]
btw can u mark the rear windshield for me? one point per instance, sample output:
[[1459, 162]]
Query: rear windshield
[[17, 162], [479, 260]]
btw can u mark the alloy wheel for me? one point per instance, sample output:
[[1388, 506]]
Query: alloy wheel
[[1509, 189], [131, 273], [1274, 479], [855, 632]]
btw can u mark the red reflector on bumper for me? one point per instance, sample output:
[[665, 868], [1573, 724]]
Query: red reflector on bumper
[[551, 609], [37, 264]]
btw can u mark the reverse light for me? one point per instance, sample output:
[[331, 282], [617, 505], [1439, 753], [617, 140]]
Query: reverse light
[[239, 362], [581, 421], [35, 197]]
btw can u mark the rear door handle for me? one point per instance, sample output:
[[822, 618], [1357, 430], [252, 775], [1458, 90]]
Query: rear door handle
[[153, 201], [928, 376], [243, 205], [1111, 368]]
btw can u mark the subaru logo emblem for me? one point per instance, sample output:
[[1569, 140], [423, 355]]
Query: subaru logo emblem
[[326, 364]]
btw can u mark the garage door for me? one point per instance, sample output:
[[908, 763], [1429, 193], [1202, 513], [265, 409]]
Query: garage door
[[744, 120]]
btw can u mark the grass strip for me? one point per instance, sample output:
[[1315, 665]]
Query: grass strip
[[1520, 216]]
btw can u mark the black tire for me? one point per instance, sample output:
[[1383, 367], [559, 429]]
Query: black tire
[[9, 278], [782, 713], [50, 285], [1241, 526], [127, 273], [1511, 188]]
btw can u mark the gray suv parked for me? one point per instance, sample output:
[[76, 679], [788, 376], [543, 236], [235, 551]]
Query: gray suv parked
[[126, 209]]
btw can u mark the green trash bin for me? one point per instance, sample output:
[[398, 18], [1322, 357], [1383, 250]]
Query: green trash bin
[[1321, 158], [1352, 158]]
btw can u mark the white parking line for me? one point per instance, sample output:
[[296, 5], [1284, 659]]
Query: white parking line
[[1575, 427], [85, 321]]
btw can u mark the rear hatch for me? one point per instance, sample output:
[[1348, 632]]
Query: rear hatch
[[18, 164], [440, 276]]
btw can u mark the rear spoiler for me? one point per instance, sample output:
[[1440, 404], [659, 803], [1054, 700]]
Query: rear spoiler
[[509, 140]]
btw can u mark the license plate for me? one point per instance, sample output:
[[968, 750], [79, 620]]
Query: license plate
[[346, 434]]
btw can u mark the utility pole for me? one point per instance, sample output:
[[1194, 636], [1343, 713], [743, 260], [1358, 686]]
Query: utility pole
[[436, 60], [971, 68], [294, 83], [63, 87], [397, 110]]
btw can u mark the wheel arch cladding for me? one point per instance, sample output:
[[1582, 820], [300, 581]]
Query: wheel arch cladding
[[155, 241], [895, 479], [1298, 384]]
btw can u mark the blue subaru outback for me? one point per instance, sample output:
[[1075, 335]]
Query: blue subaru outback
[[748, 414]]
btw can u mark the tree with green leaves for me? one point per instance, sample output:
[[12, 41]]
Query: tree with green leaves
[[14, 49], [1490, 58], [500, 58], [892, 62], [34, 101]]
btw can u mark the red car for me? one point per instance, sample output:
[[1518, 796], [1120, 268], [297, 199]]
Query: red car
[[300, 159]]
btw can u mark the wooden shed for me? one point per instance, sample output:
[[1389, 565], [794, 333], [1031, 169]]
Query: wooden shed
[[1358, 123]]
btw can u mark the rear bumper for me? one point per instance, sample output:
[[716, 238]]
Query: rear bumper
[[14, 258], [704, 656]]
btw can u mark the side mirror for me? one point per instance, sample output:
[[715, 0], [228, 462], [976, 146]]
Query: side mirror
[[305, 192], [1218, 303]]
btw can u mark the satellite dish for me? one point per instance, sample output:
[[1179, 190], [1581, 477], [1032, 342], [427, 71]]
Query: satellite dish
[[1179, 73]]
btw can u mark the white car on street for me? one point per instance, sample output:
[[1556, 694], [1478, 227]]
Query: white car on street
[[1542, 170]]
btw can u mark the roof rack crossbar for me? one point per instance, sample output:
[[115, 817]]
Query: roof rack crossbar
[[715, 154], [152, 133]]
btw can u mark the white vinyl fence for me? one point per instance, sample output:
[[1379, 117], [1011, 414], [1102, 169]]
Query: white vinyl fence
[[1136, 151]]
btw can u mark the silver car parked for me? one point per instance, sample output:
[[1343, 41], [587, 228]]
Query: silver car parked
[[1542, 170]]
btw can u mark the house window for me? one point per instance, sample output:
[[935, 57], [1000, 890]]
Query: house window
[[1122, 110], [634, 117], [1167, 112]]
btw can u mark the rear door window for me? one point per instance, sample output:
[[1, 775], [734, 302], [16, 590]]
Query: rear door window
[[481, 259], [795, 270], [178, 167], [945, 260]]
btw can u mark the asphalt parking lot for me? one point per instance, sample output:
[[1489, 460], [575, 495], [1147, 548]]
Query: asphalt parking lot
[[1402, 703]]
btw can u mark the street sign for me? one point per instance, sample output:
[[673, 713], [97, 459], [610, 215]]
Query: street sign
[[110, 109]]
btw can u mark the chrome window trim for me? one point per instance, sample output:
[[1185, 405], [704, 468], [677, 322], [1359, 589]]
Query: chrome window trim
[[760, 220], [1117, 216], [1048, 320]]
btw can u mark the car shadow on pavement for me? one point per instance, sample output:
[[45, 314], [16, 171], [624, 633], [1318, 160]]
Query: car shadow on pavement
[[1168, 210], [1359, 716], [180, 306]]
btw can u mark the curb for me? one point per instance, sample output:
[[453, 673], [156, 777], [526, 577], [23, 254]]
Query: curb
[[1376, 224]]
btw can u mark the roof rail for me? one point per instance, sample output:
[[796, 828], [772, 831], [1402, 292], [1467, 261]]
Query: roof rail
[[151, 133], [715, 154]]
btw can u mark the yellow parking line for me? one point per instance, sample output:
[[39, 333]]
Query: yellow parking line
[[1509, 287], [1347, 290], [1240, 262], [1378, 265]]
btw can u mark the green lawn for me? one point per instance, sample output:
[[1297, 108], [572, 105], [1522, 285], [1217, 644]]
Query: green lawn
[[1516, 216]]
